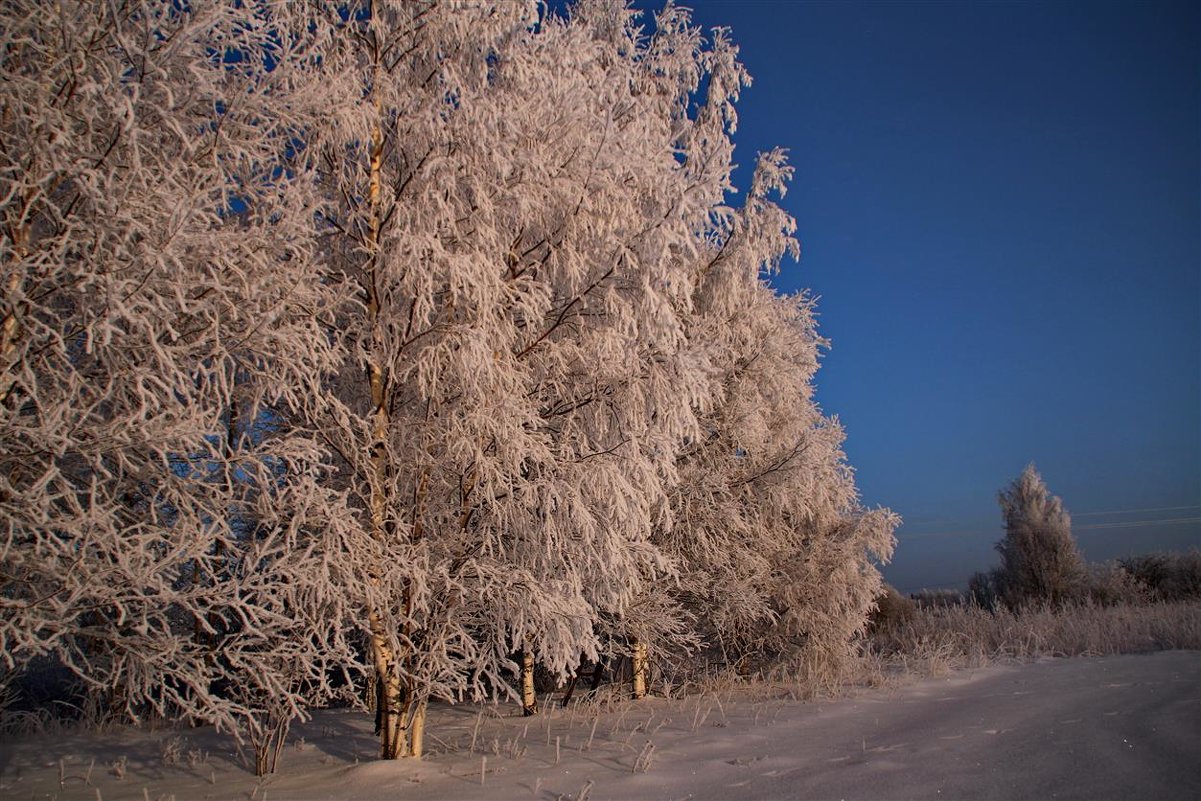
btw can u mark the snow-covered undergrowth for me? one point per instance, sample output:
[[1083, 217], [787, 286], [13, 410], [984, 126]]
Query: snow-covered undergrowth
[[934, 640], [753, 739]]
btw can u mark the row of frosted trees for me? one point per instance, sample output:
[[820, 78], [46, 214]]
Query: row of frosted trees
[[380, 348]]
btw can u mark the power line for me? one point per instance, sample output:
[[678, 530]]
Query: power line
[[1176, 521], [1132, 511], [1138, 523]]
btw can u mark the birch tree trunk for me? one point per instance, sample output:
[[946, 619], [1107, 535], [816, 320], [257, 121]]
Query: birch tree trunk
[[529, 698], [390, 697], [9, 329], [638, 668], [417, 730]]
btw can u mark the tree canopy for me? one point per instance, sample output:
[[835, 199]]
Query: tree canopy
[[366, 345]]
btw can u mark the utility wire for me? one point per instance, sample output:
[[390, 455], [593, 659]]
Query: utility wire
[[1132, 511], [1138, 523], [935, 520], [1175, 521]]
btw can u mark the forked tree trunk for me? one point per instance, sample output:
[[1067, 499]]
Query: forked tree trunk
[[389, 715], [389, 700], [638, 668], [529, 699], [230, 452], [268, 741]]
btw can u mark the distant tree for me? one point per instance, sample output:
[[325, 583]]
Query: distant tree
[[1112, 584], [1039, 557]]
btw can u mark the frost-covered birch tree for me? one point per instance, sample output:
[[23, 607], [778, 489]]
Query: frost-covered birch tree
[[421, 393], [511, 203], [775, 550], [164, 536]]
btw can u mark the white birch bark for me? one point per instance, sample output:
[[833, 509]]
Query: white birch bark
[[529, 697], [638, 669]]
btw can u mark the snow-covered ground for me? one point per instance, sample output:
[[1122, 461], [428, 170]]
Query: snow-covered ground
[[1126, 727]]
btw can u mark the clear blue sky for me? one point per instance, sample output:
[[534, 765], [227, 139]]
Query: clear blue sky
[[999, 205]]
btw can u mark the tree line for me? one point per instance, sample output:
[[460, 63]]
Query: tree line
[[385, 350]]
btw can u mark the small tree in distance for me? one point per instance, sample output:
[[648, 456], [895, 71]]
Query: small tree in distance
[[1039, 557]]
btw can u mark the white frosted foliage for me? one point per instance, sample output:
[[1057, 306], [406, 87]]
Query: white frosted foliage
[[391, 340], [167, 535]]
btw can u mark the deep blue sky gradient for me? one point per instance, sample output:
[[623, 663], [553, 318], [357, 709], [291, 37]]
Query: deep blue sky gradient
[[999, 205]]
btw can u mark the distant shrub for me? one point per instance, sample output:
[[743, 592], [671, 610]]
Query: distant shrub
[[43, 682], [982, 589], [1105, 584], [937, 599], [892, 610], [1111, 583], [1167, 576]]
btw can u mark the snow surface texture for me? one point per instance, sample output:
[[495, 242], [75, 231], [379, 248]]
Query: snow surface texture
[[1125, 727]]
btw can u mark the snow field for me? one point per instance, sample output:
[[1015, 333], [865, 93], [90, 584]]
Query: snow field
[[1121, 727]]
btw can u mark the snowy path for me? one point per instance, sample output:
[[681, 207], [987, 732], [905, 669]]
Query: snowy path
[[1125, 727], [1122, 728]]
